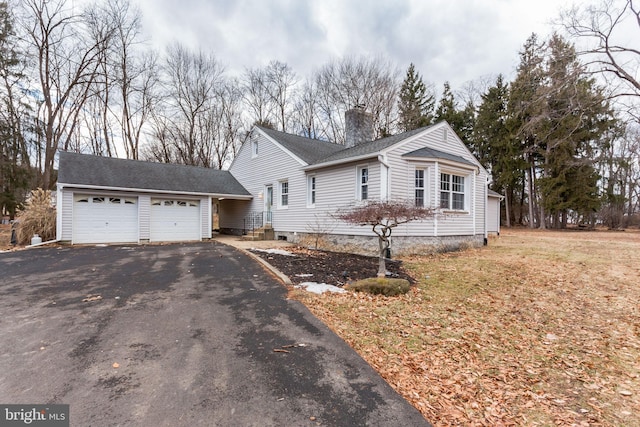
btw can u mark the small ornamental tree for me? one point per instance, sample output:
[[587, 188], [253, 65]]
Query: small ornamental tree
[[383, 217]]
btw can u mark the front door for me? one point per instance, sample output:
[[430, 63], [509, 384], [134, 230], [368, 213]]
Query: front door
[[268, 203]]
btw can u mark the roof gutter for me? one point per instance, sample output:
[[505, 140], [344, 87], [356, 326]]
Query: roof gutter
[[341, 161], [444, 161], [147, 190]]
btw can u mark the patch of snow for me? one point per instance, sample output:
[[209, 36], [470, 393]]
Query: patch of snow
[[319, 288], [273, 251], [101, 245], [304, 275]]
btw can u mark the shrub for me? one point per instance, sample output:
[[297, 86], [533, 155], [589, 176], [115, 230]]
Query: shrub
[[37, 217], [381, 286]]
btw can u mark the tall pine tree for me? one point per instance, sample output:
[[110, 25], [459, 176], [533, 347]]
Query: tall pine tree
[[524, 105], [415, 102], [462, 121], [497, 149]]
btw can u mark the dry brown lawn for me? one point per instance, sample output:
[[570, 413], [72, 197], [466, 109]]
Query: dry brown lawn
[[539, 328]]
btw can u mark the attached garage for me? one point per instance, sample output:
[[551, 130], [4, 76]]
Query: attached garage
[[104, 219], [174, 220], [109, 200]]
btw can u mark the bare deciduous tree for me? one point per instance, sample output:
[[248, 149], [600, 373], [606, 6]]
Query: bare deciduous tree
[[281, 81], [305, 111], [257, 97], [341, 85], [609, 51], [67, 61], [192, 81]]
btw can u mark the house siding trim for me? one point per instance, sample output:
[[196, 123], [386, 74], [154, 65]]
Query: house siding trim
[[63, 185]]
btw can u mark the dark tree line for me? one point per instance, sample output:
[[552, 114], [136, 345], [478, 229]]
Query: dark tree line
[[86, 80]]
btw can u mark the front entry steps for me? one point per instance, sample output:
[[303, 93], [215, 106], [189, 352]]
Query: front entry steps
[[262, 233]]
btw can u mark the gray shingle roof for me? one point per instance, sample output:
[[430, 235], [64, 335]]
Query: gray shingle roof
[[314, 151], [494, 193], [307, 149], [83, 169], [371, 147], [430, 153]]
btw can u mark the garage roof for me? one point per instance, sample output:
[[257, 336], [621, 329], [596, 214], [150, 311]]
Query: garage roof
[[109, 172]]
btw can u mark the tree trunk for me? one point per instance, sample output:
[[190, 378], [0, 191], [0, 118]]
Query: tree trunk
[[530, 195], [507, 215], [382, 266]]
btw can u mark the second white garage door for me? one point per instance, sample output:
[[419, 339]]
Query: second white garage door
[[174, 220]]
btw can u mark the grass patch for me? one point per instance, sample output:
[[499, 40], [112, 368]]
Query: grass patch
[[538, 328], [381, 286]]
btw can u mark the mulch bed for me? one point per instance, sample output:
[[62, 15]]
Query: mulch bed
[[333, 268]]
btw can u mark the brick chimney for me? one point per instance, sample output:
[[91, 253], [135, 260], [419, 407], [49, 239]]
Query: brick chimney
[[358, 126]]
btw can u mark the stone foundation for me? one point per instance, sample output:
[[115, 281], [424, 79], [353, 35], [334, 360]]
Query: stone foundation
[[368, 245]]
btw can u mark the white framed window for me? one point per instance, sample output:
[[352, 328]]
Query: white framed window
[[363, 183], [419, 186], [254, 147], [284, 193], [452, 194], [311, 191]]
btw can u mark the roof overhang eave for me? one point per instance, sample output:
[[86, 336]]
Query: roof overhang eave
[[444, 162], [341, 161], [62, 185]]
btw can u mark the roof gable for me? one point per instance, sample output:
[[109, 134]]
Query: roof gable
[[306, 149], [97, 171], [430, 153], [370, 148]]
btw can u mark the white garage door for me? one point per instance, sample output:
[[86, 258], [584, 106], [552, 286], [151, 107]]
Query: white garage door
[[105, 219], [174, 220]]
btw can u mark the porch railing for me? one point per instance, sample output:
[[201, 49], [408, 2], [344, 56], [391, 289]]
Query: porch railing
[[256, 219]]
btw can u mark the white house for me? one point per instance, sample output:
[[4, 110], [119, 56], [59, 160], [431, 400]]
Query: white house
[[292, 183], [299, 183]]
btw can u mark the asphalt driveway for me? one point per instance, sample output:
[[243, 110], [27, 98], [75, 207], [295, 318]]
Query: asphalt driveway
[[176, 335]]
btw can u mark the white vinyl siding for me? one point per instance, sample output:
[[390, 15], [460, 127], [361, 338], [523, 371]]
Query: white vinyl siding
[[339, 186], [255, 173], [66, 222], [402, 175]]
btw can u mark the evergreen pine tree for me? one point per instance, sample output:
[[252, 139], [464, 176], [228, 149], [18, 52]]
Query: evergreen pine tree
[[497, 149], [569, 129], [461, 121], [415, 103], [523, 106]]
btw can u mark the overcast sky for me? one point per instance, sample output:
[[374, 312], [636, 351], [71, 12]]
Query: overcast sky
[[454, 40]]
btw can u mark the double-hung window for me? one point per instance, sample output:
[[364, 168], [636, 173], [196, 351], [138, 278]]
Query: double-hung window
[[311, 191], [452, 192], [284, 193], [419, 187], [363, 183]]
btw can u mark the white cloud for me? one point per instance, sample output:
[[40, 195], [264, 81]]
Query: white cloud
[[451, 40]]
